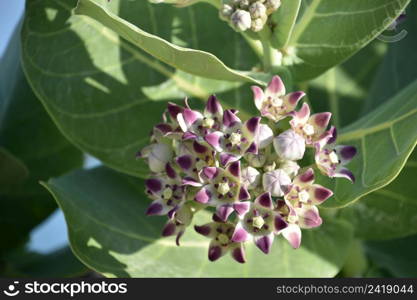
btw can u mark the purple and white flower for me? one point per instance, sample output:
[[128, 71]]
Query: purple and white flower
[[273, 103], [331, 158]]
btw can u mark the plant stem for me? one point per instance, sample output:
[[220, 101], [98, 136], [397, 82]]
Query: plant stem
[[265, 35]]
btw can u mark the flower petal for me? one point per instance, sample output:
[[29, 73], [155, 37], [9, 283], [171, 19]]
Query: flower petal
[[205, 230], [241, 207], [345, 173], [170, 171], [210, 172], [215, 251], [203, 196], [279, 224], [240, 234], [191, 181], [319, 194], [214, 140], [306, 178], [230, 119], [185, 162], [309, 217], [276, 86], [239, 255], [234, 169], [154, 185], [169, 229], [293, 235], [243, 194], [224, 211], [265, 242], [320, 121], [213, 107], [157, 208], [258, 95], [292, 99], [265, 200], [174, 110], [345, 153]]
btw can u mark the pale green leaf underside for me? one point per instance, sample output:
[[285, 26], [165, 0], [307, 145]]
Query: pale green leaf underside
[[109, 232], [330, 31], [385, 139], [195, 62]]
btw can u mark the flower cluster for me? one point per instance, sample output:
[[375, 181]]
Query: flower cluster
[[250, 172], [248, 14]]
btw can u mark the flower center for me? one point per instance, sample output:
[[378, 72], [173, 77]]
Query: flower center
[[333, 157], [292, 218], [308, 129], [277, 101], [303, 196], [235, 138], [223, 188], [208, 122], [223, 239], [258, 222], [167, 193]]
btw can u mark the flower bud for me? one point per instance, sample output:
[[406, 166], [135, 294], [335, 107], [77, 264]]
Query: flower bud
[[257, 10], [244, 4], [250, 178], [276, 182], [257, 25], [158, 155], [226, 11], [272, 6], [290, 167], [289, 145], [256, 160], [241, 20], [265, 136]]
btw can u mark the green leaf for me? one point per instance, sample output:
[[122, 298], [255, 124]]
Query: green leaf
[[390, 212], [398, 68], [12, 170], [284, 20], [109, 232], [397, 256], [60, 263], [105, 94], [385, 139], [27, 132], [192, 61], [343, 89], [331, 31]]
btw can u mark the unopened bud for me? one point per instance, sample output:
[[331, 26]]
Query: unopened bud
[[276, 182], [257, 10], [265, 136], [256, 160], [290, 167], [272, 6], [244, 4], [257, 25], [289, 145], [226, 11], [250, 178], [241, 20]]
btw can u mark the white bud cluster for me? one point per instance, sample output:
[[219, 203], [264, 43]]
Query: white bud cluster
[[248, 14]]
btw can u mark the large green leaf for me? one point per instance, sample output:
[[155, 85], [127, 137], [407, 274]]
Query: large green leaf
[[343, 89], [398, 68], [104, 93], [192, 61], [12, 170], [385, 139], [27, 132], [59, 263], [284, 20], [330, 31], [390, 212], [397, 256], [109, 232]]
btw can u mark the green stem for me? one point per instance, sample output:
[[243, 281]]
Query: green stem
[[265, 35]]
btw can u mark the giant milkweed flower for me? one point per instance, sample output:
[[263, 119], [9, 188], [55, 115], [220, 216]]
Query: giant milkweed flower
[[254, 172]]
